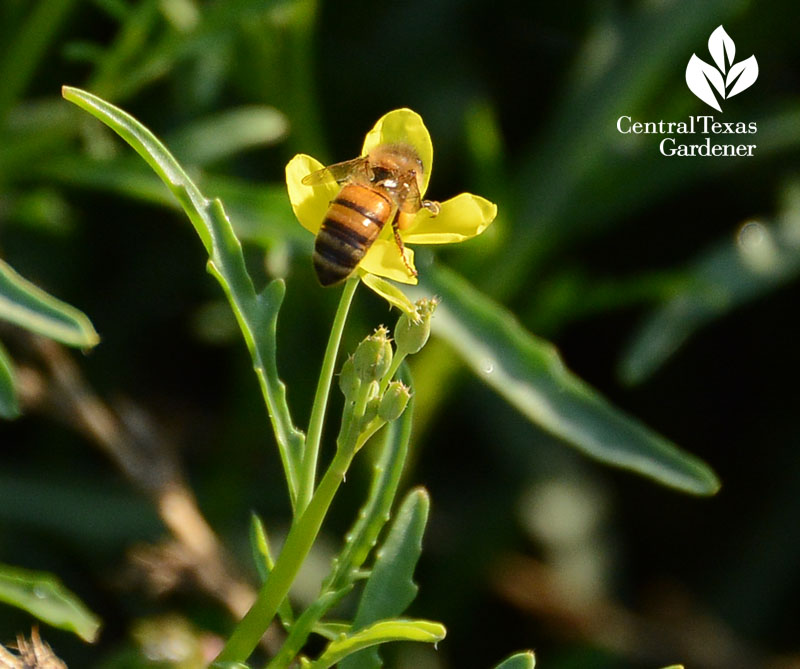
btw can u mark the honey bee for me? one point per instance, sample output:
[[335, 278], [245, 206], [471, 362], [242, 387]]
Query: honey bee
[[377, 188]]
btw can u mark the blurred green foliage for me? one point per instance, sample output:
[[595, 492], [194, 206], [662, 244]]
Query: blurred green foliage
[[678, 272]]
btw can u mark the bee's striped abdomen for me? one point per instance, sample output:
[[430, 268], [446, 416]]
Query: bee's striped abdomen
[[354, 220]]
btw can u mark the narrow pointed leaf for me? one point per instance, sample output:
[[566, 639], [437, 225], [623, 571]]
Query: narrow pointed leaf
[[390, 588], [44, 597], [530, 374], [524, 660], [28, 306], [8, 396], [256, 314], [259, 546], [262, 556], [378, 633]]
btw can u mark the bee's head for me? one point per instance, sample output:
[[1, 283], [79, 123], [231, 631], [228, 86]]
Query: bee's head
[[393, 161]]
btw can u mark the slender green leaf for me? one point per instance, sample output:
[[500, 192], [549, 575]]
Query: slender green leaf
[[737, 270], [259, 545], [525, 660], [8, 396], [43, 596], [390, 588], [262, 556], [30, 307], [256, 314], [380, 632], [529, 373], [227, 133]]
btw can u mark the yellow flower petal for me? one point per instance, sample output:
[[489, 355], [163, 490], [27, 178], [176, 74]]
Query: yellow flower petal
[[389, 292], [459, 218], [310, 203], [383, 259], [406, 126]]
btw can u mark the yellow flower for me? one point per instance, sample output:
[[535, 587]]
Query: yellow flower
[[459, 218]]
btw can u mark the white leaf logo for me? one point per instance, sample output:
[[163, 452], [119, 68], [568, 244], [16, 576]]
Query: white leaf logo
[[712, 84]]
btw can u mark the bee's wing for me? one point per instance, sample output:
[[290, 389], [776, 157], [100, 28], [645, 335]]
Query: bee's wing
[[339, 172]]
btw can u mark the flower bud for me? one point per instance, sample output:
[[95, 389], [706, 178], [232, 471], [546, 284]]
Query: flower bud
[[394, 401], [349, 383], [373, 357], [412, 334]]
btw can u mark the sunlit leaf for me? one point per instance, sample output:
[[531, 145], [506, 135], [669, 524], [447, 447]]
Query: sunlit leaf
[[43, 596], [381, 632], [524, 660], [530, 374], [256, 314], [390, 588], [28, 306]]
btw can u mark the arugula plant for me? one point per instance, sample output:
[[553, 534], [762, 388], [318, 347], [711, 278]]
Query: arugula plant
[[378, 404]]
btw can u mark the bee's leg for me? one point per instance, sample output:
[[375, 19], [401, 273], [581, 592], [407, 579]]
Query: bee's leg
[[399, 241], [431, 206]]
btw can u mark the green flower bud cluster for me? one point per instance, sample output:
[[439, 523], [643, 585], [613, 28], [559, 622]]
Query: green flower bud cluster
[[373, 399]]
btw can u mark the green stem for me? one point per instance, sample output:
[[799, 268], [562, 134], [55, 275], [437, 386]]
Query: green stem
[[308, 470], [396, 362], [301, 537], [304, 625]]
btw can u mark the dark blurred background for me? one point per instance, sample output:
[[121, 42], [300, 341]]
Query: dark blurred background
[[633, 264]]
